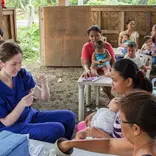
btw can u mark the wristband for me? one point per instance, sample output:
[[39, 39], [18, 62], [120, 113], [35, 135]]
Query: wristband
[[58, 151]]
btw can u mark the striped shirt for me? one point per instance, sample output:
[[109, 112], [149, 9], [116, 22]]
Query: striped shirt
[[117, 133]]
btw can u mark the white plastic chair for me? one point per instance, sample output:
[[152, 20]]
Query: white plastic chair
[[147, 61]]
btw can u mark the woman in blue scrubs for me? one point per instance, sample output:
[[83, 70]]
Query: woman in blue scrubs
[[17, 90]]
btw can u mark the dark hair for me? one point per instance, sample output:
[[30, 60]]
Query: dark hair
[[131, 44], [94, 28], [153, 38], [1, 32], [99, 44], [127, 35], [8, 50], [147, 37], [128, 69], [139, 107]]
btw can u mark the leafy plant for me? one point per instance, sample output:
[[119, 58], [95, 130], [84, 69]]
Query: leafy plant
[[29, 42]]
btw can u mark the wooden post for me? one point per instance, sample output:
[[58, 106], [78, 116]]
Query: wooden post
[[63, 2], [1, 17]]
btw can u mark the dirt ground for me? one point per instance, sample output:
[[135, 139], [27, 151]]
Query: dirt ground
[[63, 88]]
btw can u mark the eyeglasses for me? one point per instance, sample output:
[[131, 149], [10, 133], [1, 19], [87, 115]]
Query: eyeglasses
[[125, 122]]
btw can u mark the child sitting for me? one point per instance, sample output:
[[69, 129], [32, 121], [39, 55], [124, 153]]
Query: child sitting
[[147, 48], [123, 46], [131, 48], [103, 120], [101, 59]]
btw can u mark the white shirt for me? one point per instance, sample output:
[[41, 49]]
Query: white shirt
[[136, 60], [104, 119]]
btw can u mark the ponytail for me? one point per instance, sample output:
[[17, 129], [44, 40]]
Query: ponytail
[[143, 82]]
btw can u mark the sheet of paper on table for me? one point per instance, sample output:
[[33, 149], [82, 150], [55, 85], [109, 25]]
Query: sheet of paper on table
[[90, 78]]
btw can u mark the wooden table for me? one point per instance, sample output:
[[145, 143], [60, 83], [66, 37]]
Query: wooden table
[[48, 146], [102, 81]]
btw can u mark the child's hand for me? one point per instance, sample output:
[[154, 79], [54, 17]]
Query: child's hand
[[89, 118], [93, 132], [42, 80]]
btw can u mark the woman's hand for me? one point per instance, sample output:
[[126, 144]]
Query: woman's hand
[[41, 91], [27, 100], [89, 118], [87, 73], [92, 132], [96, 133]]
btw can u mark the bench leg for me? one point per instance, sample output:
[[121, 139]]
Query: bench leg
[[97, 95], [81, 103], [88, 94]]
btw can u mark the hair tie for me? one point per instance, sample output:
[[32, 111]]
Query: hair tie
[[140, 75]]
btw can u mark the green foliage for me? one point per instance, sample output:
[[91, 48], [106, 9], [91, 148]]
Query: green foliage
[[151, 2], [95, 2], [73, 2], [37, 3], [29, 42]]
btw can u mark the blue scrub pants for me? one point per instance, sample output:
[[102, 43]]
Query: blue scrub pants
[[47, 125]]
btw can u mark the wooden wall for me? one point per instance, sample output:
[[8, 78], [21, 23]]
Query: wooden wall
[[9, 23], [63, 29], [112, 20], [63, 32]]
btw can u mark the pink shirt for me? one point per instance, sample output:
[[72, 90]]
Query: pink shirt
[[88, 49]]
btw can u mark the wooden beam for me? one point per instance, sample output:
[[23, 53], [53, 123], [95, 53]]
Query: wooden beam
[[122, 21], [42, 35], [110, 31], [124, 8], [99, 18], [1, 17], [63, 2]]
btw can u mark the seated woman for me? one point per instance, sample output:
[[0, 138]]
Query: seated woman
[[133, 34], [154, 44], [16, 97], [126, 77], [94, 34], [137, 118], [123, 46]]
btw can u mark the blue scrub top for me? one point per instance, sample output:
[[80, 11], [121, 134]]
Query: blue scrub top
[[9, 98]]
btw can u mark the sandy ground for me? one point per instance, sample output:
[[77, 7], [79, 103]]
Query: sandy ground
[[63, 88]]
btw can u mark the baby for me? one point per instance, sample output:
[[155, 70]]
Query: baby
[[147, 46], [123, 46], [103, 120], [101, 59]]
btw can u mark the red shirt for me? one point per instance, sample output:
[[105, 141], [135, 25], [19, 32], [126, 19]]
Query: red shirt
[[88, 49], [3, 3]]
